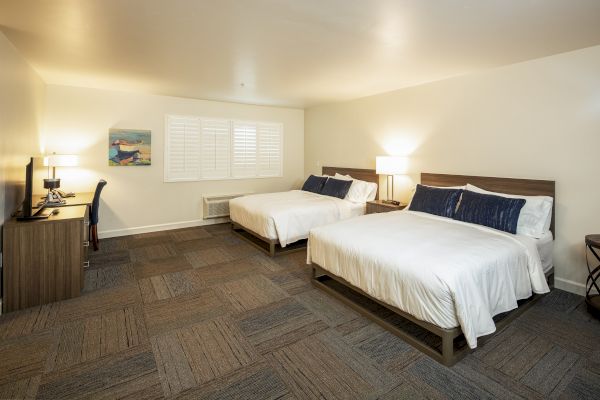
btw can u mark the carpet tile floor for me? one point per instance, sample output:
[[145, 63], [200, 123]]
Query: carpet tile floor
[[200, 314]]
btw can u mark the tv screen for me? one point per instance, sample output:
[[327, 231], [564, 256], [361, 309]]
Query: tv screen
[[35, 172], [27, 201]]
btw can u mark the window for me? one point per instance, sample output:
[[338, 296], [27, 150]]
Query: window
[[203, 148], [243, 157], [214, 156], [269, 149], [182, 146]]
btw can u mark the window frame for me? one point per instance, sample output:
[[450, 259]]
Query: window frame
[[231, 121]]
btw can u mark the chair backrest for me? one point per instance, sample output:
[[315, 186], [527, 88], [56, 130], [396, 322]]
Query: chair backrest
[[96, 202]]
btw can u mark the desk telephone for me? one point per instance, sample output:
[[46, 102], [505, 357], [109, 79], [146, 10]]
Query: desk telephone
[[55, 196], [62, 193]]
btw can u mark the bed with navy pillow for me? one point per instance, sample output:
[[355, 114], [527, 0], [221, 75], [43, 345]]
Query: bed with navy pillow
[[454, 258], [287, 217]]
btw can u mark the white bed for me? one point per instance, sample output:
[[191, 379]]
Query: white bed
[[289, 216], [545, 246], [442, 271]]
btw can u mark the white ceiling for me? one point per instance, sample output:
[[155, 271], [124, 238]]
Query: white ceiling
[[294, 53]]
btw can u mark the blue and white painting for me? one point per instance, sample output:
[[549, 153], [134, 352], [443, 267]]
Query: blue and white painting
[[129, 147]]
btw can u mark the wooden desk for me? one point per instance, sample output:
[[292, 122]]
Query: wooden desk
[[44, 258], [83, 198]]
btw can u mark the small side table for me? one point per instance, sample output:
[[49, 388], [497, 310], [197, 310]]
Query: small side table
[[379, 206], [592, 243]]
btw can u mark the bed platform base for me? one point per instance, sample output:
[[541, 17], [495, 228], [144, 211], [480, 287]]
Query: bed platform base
[[453, 346], [269, 246]]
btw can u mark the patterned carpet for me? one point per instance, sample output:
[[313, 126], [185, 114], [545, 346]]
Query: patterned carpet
[[198, 313]]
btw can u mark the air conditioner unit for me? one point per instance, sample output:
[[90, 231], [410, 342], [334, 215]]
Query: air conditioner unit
[[218, 206]]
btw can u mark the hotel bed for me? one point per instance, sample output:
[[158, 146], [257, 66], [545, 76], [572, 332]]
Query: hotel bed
[[280, 222], [545, 246], [448, 276]]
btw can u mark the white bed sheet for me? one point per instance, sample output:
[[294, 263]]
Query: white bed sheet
[[545, 246], [289, 216], [442, 271]]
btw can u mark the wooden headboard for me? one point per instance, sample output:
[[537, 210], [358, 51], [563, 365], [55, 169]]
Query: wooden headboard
[[526, 187], [368, 175]]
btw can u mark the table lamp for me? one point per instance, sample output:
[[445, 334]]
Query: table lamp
[[57, 160], [390, 166]]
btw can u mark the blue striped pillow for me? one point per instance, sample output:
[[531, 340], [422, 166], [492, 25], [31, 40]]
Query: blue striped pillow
[[496, 212], [435, 201]]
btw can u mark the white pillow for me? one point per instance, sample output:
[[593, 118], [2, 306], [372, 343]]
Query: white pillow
[[360, 191], [536, 214]]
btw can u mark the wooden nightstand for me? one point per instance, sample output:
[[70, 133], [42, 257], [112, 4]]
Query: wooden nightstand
[[378, 206]]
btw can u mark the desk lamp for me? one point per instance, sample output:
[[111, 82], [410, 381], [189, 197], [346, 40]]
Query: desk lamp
[[390, 166], [52, 184]]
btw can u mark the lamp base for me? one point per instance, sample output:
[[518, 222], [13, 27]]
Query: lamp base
[[54, 198], [51, 183], [394, 202]]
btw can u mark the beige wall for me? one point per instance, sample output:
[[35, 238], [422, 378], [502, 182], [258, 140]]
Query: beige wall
[[538, 119], [136, 199], [21, 109]]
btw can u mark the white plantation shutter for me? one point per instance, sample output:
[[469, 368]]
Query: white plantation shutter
[[205, 148], [243, 146], [269, 149], [182, 150], [215, 153]]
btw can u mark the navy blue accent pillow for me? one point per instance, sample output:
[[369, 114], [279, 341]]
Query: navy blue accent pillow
[[314, 183], [336, 188], [435, 201], [497, 212]]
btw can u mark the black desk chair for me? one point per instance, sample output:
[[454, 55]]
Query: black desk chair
[[94, 214]]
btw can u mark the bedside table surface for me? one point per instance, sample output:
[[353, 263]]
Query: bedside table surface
[[592, 240], [383, 204], [378, 206]]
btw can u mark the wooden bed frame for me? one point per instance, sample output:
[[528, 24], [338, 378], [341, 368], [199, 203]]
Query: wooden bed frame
[[453, 346], [272, 246]]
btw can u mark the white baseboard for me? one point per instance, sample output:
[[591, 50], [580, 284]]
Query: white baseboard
[[569, 286], [160, 227]]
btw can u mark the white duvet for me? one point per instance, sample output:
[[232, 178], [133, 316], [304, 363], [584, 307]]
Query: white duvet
[[289, 216], [442, 271]]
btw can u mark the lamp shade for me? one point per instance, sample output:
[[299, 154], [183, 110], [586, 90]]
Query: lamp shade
[[390, 165], [61, 160]]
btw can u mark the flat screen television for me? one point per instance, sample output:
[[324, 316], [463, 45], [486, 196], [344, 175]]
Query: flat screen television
[[29, 208]]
